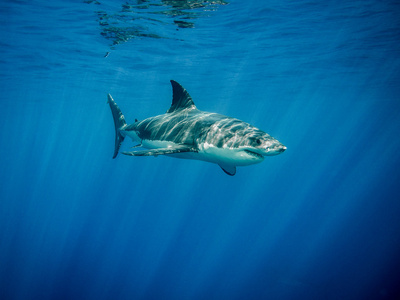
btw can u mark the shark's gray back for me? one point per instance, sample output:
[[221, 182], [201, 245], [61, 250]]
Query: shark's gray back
[[193, 127], [185, 127]]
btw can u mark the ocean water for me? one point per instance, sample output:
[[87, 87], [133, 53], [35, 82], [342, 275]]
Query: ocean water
[[320, 221]]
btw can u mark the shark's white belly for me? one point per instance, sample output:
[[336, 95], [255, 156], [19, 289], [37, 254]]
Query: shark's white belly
[[208, 152], [227, 156]]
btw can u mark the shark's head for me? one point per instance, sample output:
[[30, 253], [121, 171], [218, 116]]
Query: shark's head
[[258, 144], [240, 144]]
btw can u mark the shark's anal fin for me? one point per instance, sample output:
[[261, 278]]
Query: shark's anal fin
[[228, 169], [160, 151]]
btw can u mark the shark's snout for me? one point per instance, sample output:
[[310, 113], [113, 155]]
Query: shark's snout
[[276, 149], [282, 148]]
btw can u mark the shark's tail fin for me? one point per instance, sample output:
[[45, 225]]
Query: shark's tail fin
[[119, 122]]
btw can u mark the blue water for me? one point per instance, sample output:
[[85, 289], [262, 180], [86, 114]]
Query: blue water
[[320, 221]]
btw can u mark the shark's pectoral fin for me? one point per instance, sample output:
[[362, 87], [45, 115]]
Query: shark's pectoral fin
[[160, 151], [228, 169]]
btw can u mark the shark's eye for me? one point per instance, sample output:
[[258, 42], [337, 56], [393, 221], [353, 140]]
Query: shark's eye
[[257, 142]]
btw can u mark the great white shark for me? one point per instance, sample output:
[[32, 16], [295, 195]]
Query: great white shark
[[186, 132]]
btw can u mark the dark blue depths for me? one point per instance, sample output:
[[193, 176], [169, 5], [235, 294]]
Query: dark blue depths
[[320, 221]]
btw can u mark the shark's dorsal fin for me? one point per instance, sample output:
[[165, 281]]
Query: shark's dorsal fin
[[180, 98]]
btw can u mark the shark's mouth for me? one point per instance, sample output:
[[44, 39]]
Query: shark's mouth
[[254, 154]]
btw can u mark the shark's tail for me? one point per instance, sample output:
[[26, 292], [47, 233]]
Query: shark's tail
[[119, 122]]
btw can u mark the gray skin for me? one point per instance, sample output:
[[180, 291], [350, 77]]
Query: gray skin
[[186, 132]]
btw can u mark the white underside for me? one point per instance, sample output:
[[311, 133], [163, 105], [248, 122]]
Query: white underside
[[207, 152]]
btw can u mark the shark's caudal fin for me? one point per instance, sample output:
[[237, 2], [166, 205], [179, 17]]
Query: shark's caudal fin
[[119, 122], [180, 98]]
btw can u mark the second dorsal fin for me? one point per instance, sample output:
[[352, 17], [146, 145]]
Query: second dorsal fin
[[180, 98]]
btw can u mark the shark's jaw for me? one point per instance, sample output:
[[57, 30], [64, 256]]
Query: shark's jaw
[[259, 152], [242, 156], [254, 154]]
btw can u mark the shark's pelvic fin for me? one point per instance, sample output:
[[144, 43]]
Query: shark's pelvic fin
[[180, 98], [228, 169], [160, 151], [119, 122]]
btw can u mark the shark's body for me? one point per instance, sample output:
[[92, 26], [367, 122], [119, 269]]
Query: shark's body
[[186, 132]]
